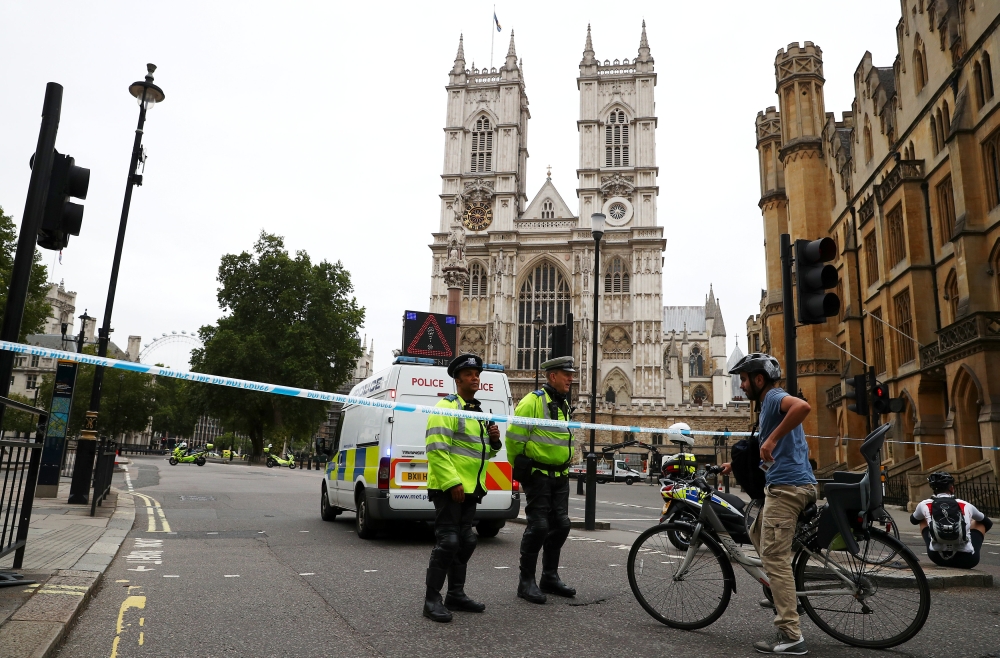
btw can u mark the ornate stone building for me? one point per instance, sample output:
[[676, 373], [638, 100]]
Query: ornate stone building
[[501, 261], [907, 183]]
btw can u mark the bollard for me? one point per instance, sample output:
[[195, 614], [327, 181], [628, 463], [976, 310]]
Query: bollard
[[579, 485]]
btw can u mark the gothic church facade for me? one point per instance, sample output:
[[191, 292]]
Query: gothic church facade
[[511, 261]]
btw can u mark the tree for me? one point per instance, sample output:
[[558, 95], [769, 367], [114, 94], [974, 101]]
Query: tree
[[37, 308], [287, 321], [20, 421], [177, 406]]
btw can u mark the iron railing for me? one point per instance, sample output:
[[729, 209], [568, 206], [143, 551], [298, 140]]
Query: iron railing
[[104, 469], [19, 461], [895, 491], [983, 493]]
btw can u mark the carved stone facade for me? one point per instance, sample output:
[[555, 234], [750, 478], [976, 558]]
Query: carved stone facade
[[535, 260], [907, 183]]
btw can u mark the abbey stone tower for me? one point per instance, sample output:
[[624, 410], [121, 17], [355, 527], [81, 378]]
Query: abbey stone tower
[[500, 261]]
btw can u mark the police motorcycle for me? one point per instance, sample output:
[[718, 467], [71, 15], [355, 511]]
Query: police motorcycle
[[274, 460], [181, 454]]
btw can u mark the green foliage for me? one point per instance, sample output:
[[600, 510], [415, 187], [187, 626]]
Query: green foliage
[[21, 421], [287, 321], [37, 309], [227, 441], [128, 399], [177, 406]]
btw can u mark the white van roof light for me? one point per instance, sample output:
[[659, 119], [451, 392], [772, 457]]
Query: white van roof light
[[413, 359], [493, 366]]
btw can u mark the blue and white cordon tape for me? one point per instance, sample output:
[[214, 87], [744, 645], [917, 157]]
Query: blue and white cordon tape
[[308, 394]]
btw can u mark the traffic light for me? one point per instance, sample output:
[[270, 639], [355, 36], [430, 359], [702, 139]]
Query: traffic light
[[882, 403], [857, 390], [62, 217], [813, 276]]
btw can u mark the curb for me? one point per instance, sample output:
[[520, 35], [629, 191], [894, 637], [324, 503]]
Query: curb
[[579, 524], [39, 626]]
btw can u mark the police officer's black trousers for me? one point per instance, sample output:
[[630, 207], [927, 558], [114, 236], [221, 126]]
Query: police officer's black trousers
[[547, 513], [456, 539]]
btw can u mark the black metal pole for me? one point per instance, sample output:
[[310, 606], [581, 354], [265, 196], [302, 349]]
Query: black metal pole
[[788, 311], [86, 446], [538, 353], [590, 506], [31, 221]]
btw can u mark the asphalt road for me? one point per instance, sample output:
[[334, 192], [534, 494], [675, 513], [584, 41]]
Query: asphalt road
[[234, 560]]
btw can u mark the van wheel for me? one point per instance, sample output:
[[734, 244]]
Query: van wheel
[[364, 524], [326, 511], [629, 481], [489, 528], [599, 481]]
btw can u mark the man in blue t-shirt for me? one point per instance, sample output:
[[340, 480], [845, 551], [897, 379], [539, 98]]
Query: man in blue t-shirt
[[791, 487]]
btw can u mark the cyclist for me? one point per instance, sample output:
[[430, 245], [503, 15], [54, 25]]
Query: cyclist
[[973, 526], [791, 487]]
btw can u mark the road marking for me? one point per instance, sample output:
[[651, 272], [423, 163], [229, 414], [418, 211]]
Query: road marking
[[132, 601], [128, 480], [142, 637], [370, 570], [993, 553], [211, 533], [232, 575], [141, 568], [153, 512], [303, 531], [170, 576], [614, 565], [501, 567], [308, 573]]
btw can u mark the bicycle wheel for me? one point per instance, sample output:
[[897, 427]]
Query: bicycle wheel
[[750, 512], [889, 526], [692, 600], [892, 602]]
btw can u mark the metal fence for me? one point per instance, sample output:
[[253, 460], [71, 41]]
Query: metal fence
[[983, 493], [129, 449], [895, 491], [104, 468], [18, 472]]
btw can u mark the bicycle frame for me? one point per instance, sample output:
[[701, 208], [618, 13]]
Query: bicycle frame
[[752, 565]]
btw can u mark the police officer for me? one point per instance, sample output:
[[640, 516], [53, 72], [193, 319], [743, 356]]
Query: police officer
[[457, 452], [540, 457]]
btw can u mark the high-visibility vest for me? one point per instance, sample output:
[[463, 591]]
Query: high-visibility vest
[[546, 445], [457, 450]]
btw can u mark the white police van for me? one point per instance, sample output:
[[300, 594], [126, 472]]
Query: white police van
[[378, 462]]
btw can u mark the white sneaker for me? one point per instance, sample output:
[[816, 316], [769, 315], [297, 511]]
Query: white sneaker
[[782, 644]]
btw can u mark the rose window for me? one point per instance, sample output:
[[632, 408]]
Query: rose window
[[617, 210]]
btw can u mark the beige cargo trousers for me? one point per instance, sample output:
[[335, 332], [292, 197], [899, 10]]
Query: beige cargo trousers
[[772, 534]]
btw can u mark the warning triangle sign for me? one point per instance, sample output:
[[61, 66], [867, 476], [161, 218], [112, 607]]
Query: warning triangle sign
[[430, 340]]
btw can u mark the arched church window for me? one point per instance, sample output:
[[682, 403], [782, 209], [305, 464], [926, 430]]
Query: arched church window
[[543, 293], [475, 286], [869, 149], [617, 344], [987, 76], [696, 363], [548, 209], [951, 294], [482, 146], [616, 142], [699, 395], [919, 64], [616, 281]]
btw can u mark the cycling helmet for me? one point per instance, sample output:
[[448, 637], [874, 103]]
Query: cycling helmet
[[677, 438], [183, 444], [940, 481], [758, 362]]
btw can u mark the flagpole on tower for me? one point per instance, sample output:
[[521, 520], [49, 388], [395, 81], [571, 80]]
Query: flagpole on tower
[[492, 34]]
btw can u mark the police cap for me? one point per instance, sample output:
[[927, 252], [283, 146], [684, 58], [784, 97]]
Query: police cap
[[564, 363], [464, 361]]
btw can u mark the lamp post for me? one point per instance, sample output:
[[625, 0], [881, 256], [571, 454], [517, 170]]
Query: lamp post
[[537, 323], [590, 511], [148, 95]]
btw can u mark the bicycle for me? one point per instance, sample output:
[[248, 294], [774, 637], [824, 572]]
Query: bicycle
[[843, 575]]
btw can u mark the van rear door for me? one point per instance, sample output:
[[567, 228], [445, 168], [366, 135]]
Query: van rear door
[[420, 385], [494, 394]]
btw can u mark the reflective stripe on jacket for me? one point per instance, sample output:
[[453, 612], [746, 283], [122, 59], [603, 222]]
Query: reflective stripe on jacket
[[547, 445], [457, 450]]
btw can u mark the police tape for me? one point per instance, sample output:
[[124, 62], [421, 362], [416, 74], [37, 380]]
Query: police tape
[[322, 396]]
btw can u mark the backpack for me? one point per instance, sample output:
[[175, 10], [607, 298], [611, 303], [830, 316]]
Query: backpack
[[745, 463], [947, 522]]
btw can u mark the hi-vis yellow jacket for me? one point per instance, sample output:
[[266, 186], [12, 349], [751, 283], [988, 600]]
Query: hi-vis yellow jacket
[[546, 445], [457, 450]]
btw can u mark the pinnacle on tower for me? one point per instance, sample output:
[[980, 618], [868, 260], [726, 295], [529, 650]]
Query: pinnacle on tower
[[459, 57], [644, 55], [511, 63], [588, 49]]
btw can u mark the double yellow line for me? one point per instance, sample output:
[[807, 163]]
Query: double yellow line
[[153, 513]]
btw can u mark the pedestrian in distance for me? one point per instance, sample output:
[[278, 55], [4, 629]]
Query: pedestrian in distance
[[457, 452], [790, 488], [953, 529], [540, 457]]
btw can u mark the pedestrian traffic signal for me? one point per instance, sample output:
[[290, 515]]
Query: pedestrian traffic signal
[[813, 276], [857, 390], [63, 218], [882, 403]]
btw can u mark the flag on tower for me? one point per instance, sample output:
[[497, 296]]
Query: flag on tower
[[496, 21]]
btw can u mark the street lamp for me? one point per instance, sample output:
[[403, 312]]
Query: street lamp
[[147, 94], [590, 512], [82, 336], [537, 323]]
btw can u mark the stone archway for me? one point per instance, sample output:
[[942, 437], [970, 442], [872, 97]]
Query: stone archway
[[617, 381], [966, 401]]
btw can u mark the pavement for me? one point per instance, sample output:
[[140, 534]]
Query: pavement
[[67, 552], [235, 560]]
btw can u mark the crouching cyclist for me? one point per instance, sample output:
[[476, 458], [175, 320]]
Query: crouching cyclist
[[953, 529]]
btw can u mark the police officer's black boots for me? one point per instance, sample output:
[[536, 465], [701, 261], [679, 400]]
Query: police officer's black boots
[[526, 587], [433, 607], [550, 581], [457, 599]]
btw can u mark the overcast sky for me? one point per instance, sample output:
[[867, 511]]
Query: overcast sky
[[322, 122]]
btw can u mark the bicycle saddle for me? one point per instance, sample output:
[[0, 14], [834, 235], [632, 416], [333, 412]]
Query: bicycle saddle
[[847, 496]]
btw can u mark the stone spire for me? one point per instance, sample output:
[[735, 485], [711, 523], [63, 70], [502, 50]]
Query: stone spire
[[710, 307], [644, 55], [588, 50], [511, 63], [718, 327], [459, 58]]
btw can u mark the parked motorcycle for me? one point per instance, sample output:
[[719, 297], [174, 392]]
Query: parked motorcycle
[[181, 455], [273, 460], [683, 501]]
